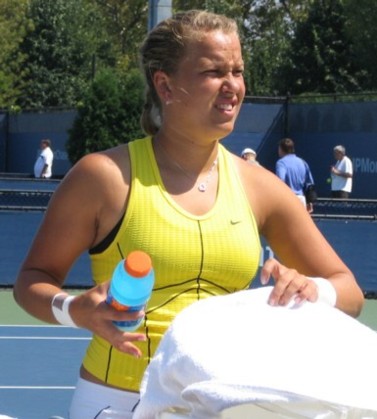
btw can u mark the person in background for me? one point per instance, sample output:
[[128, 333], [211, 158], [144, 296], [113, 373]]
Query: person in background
[[250, 156], [341, 174], [294, 171], [43, 164], [182, 197]]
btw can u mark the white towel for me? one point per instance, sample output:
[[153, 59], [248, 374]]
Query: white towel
[[224, 351]]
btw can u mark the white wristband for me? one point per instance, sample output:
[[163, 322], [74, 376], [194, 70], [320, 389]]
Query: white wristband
[[60, 309], [326, 290]]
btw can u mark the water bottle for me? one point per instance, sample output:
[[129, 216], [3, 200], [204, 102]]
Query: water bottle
[[131, 287]]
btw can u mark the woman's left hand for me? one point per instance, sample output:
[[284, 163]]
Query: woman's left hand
[[289, 284]]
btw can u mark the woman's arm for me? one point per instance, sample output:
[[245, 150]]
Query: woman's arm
[[299, 246], [86, 206]]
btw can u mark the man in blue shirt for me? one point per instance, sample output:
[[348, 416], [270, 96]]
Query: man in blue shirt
[[294, 171]]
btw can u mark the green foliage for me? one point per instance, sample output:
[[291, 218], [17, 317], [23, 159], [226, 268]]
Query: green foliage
[[109, 114], [362, 30], [52, 49], [126, 25], [59, 52], [268, 41], [320, 56], [13, 25]]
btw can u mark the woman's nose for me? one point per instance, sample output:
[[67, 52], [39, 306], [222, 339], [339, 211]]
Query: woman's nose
[[231, 84]]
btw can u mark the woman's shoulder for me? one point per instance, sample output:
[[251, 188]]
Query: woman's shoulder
[[267, 194], [255, 175], [99, 181], [96, 173], [104, 163]]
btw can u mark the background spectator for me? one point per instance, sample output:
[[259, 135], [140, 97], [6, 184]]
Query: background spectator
[[294, 171], [43, 164], [341, 174], [250, 156]]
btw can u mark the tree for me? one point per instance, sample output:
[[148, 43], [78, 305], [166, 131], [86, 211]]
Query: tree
[[59, 52], [52, 49], [126, 25], [320, 58], [270, 29], [13, 26], [362, 30], [109, 114]]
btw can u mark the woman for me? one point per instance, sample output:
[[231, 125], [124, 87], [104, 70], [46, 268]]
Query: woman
[[181, 197]]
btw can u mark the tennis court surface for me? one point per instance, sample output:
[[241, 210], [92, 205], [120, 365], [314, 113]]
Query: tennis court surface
[[39, 363]]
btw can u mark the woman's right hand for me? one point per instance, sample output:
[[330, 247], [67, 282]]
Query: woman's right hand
[[90, 311]]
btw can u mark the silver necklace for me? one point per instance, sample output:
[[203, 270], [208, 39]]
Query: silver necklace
[[202, 187]]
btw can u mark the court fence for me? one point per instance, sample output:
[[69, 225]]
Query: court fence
[[350, 226]]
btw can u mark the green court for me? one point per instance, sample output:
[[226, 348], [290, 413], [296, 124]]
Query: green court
[[11, 313]]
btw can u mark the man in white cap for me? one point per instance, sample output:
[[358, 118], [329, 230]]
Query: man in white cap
[[250, 156], [341, 174]]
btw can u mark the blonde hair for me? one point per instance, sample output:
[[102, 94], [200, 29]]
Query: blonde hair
[[165, 46]]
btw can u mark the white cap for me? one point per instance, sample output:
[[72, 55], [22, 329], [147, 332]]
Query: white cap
[[248, 151]]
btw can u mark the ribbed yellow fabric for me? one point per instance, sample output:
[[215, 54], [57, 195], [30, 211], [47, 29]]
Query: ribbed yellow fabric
[[193, 256]]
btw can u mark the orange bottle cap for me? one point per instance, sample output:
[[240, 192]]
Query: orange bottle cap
[[138, 263]]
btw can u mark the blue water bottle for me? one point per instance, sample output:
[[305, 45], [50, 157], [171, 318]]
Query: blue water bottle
[[131, 287]]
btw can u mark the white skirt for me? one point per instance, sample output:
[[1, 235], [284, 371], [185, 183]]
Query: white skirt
[[94, 401]]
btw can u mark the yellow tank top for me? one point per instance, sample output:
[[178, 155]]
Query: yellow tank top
[[193, 257]]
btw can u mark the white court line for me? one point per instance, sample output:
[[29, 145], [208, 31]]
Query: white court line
[[51, 326], [37, 325], [37, 387], [42, 338]]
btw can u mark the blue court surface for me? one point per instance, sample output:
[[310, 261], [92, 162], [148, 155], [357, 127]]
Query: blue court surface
[[40, 363], [39, 368]]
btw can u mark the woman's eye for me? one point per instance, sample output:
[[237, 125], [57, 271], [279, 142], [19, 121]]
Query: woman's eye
[[213, 72], [221, 73]]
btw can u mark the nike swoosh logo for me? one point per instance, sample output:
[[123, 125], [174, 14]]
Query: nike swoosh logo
[[233, 222]]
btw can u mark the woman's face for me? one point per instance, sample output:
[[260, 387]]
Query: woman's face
[[208, 89]]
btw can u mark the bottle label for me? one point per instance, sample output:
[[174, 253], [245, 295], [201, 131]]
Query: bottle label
[[126, 325], [129, 325]]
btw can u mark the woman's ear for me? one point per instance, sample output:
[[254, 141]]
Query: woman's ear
[[162, 85]]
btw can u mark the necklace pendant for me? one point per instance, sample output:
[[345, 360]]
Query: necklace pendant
[[202, 187]]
